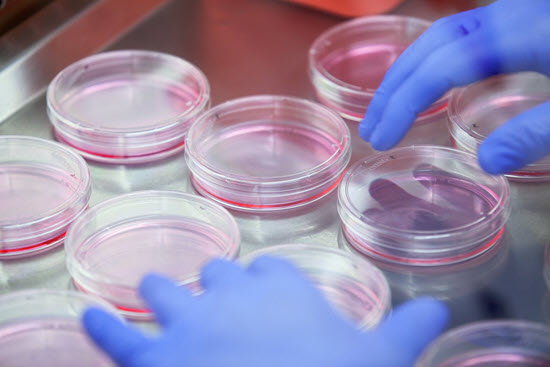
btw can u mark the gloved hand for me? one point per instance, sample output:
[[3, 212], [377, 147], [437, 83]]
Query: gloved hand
[[506, 36], [265, 316]]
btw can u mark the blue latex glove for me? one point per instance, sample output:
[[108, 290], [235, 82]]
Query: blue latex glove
[[506, 36], [268, 315]]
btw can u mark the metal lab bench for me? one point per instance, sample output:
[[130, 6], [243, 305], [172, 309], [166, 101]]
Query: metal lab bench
[[248, 47]]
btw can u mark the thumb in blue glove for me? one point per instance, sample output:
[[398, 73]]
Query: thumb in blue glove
[[267, 315], [506, 36]]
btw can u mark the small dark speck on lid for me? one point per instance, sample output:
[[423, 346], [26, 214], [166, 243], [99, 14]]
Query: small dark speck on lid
[[392, 157], [475, 125]]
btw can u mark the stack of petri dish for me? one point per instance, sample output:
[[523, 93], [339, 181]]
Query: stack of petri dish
[[477, 110], [114, 244], [506, 343], [267, 153], [42, 327], [351, 284], [347, 62], [127, 106], [44, 187], [422, 205]]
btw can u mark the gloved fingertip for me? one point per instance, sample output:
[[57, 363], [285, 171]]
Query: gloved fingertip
[[95, 321], [379, 142], [152, 281], [364, 130], [496, 159], [438, 311]]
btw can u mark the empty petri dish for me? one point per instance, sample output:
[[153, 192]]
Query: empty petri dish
[[44, 186], [127, 106], [504, 343], [114, 244], [422, 205], [42, 327], [348, 61], [267, 153], [478, 109], [355, 287]]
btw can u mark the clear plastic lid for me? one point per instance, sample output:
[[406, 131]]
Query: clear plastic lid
[[127, 106], [505, 343], [42, 327], [422, 205], [348, 61], [352, 285], [477, 110], [547, 266], [44, 186], [267, 153], [117, 242]]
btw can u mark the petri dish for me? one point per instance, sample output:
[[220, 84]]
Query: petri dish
[[44, 326], [503, 343], [115, 243], [355, 287], [347, 62], [422, 205], [127, 106], [477, 110], [447, 282], [44, 187], [267, 153]]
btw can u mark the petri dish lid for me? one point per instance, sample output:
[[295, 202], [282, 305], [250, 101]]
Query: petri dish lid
[[422, 205], [44, 325], [351, 284], [115, 243], [477, 110], [44, 186], [267, 153], [127, 106], [348, 61], [510, 343]]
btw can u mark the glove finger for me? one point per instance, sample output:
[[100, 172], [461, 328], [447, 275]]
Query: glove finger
[[413, 325], [522, 140], [121, 342], [439, 34], [218, 274], [167, 300], [464, 61]]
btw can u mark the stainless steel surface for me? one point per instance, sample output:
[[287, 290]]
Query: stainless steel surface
[[260, 46], [60, 34]]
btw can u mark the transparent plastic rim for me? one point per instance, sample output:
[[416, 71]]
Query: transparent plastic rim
[[55, 106], [76, 269], [356, 262], [463, 332], [83, 188], [9, 300], [334, 87], [347, 204], [339, 158]]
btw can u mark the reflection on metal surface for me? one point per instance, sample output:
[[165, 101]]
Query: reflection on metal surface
[[445, 282], [13, 13], [88, 31]]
